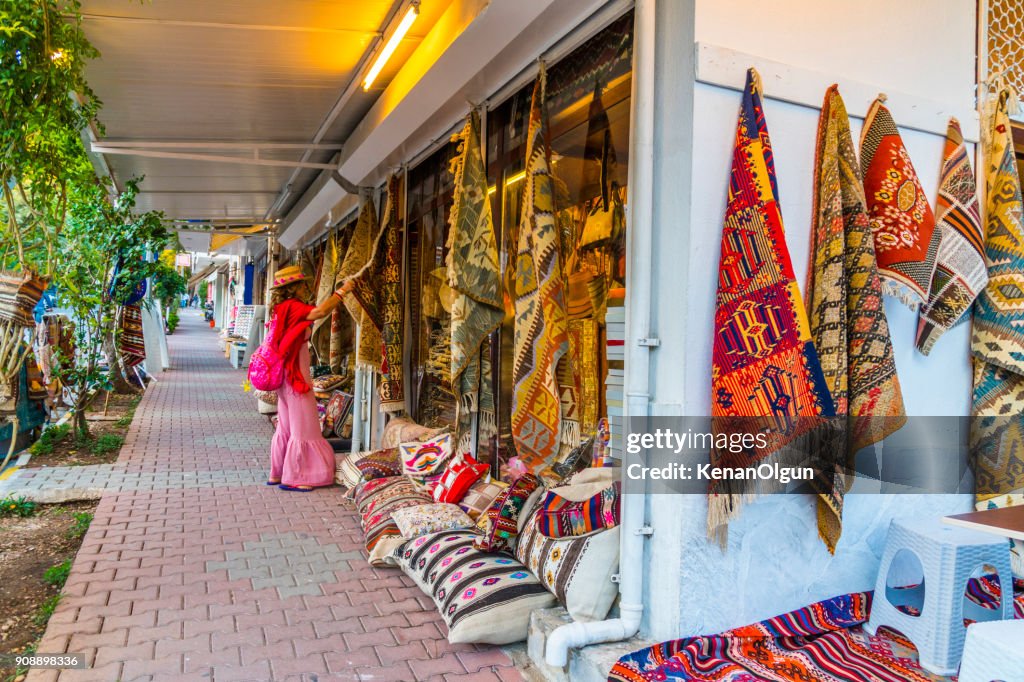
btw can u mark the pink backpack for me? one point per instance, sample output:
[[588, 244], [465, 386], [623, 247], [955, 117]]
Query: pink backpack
[[266, 366]]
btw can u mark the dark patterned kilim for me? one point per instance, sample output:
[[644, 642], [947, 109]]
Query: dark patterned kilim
[[378, 289], [960, 271], [764, 364], [368, 354], [541, 333], [823, 642], [847, 317], [133, 344], [906, 240], [342, 331]]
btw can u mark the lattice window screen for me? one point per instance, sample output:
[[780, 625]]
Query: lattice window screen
[[1006, 41]]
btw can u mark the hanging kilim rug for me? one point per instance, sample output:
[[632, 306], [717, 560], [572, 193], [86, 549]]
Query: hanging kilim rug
[[541, 337], [474, 274], [846, 313], [321, 335], [133, 344], [997, 343], [368, 355], [341, 338], [997, 445], [765, 370], [823, 642], [998, 336], [378, 289], [960, 271], [906, 241]]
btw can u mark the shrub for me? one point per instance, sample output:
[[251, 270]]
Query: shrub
[[106, 442], [58, 575], [172, 319], [50, 439], [17, 506]]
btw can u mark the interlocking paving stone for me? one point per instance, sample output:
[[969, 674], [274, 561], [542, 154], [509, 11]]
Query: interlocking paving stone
[[194, 569]]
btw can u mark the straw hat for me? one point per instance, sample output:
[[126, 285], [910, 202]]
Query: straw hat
[[288, 275]]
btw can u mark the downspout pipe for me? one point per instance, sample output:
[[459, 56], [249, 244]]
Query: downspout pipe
[[640, 343]]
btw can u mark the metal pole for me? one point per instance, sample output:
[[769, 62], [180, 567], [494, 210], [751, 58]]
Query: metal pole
[[357, 399]]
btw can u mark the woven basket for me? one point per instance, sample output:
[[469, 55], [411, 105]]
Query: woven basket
[[19, 294]]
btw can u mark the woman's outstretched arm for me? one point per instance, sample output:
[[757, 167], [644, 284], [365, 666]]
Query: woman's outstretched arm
[[333, 301]]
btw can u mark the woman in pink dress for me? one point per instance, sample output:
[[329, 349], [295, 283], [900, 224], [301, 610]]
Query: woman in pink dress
[[300, 457]]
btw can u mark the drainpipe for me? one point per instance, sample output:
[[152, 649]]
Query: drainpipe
[[638, 327], [357, 400]]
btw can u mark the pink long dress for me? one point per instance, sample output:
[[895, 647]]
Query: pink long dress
[[299, 453]]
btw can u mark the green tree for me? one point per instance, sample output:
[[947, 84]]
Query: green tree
[[104, 249], [45, 102], [168, 285]]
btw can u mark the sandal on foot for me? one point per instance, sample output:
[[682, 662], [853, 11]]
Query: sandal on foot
[[273, 482], [295, 489]]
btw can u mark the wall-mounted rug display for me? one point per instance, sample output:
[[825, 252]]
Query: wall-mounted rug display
[[847, 314], [763, 355], [960, 269], [906, 241]]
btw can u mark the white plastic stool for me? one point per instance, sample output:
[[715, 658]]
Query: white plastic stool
[[994, 651], [948, 556]]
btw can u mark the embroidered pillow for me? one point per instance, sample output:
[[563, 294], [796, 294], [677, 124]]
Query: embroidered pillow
[[577, 570], [561, 517], [429, 518], [457, 479], [483, 598], [379, 464], [480, 496], [503, 515], [423, 459]]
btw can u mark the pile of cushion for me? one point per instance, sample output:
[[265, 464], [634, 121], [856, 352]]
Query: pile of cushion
[[486, 552]]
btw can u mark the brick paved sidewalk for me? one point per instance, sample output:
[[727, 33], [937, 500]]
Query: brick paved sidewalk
[[192, 572]]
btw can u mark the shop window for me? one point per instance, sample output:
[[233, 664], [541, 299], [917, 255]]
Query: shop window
[[588, 109], [428, 204]]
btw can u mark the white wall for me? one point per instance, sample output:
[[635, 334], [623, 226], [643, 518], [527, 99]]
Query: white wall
[[775, 562]]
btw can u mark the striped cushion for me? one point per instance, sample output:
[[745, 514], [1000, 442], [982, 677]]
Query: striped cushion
[[19, 294], [483, 598], [375, 500], [559, 517]]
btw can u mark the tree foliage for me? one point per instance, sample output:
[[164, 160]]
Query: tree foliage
[[45, 102], [105, 249]]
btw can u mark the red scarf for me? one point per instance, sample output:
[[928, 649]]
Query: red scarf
[[290, 334]]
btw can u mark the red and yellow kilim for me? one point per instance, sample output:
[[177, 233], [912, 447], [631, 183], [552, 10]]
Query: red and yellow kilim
[[764, 364]]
